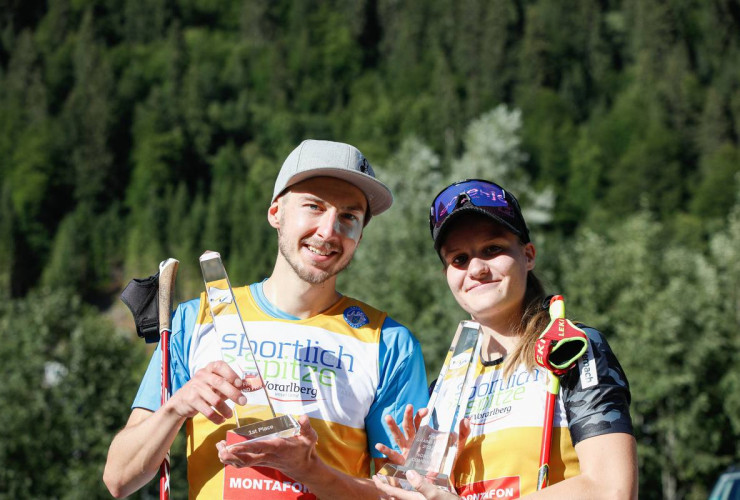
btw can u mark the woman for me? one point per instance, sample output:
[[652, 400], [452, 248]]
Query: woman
[[483, 241]]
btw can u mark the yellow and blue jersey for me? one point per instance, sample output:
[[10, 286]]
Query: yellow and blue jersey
[[345, 368]]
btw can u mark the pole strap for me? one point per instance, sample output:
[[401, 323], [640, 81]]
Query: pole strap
[[141, 297]]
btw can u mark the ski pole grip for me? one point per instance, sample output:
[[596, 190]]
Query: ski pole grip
[[167, 274], [562, 343], [557, 307]]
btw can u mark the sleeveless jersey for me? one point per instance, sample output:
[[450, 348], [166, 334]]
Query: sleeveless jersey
[[501, 457], [345, 368]]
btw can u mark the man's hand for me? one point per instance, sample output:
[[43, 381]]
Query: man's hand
[[207, 393], [424, 489], [295, 456], [403, 439], [137, 451]]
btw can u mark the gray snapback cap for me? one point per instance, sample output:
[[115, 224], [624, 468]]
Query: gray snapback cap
[[313, 158]]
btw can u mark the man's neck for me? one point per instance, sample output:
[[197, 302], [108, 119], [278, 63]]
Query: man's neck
[[286, 291]]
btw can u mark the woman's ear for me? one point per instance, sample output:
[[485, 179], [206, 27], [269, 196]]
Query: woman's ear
[[529, 253], [443, 270]]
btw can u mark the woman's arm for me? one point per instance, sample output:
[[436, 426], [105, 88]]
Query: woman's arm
[[608, 470]]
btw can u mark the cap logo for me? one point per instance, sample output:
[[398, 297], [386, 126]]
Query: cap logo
[[363, 166]]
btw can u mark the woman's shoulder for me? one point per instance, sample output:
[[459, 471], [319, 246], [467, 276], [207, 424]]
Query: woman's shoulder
[[597, 367], [595, 337], [596, 392]]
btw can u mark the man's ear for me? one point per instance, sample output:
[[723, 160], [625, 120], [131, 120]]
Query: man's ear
[[273, 214]]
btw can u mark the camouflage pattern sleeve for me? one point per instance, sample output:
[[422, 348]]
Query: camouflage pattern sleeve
[[596, 393]]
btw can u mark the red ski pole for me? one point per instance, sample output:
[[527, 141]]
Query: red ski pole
[[557, 350], [167, 273]]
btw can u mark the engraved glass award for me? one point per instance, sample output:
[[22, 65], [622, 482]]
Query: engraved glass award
[[434, 448], [257, 419]]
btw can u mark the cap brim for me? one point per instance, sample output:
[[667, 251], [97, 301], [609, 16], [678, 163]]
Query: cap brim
[[439, 233], [379, 196]]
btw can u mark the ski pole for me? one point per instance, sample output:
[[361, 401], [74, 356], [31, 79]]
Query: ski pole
[[558, 349], [167, 273]]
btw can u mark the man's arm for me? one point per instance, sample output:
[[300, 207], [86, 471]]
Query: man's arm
[[137, 451]]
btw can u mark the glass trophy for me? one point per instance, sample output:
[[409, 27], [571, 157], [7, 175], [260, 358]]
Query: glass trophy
[[257, 420], [434, 448]]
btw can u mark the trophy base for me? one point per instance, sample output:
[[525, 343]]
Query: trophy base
[[283, 426], [395, 475]]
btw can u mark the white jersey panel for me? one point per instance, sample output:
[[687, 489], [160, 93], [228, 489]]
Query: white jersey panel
[[519, 401], [307, 369]]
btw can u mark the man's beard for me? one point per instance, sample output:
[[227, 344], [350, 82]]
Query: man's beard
[[314, 277]]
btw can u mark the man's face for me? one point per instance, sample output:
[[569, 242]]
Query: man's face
[[319, 223]]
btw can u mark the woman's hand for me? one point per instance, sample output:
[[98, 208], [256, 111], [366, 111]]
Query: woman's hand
[[463, 431], [424, 489], [403, 439]]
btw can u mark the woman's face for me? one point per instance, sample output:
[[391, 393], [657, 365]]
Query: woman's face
[[486, 268]]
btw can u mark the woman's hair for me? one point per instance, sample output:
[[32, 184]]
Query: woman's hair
[[534, 320]]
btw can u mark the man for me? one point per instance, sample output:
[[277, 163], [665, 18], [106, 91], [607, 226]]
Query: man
[[341, 363]]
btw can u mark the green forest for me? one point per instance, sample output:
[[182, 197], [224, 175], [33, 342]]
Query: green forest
[[136, 130]]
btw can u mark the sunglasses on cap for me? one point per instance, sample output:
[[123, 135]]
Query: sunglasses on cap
[[482, 196]]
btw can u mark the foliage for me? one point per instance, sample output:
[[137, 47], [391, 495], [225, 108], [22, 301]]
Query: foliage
[[68, 376], [133, 131], [669, 313]]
